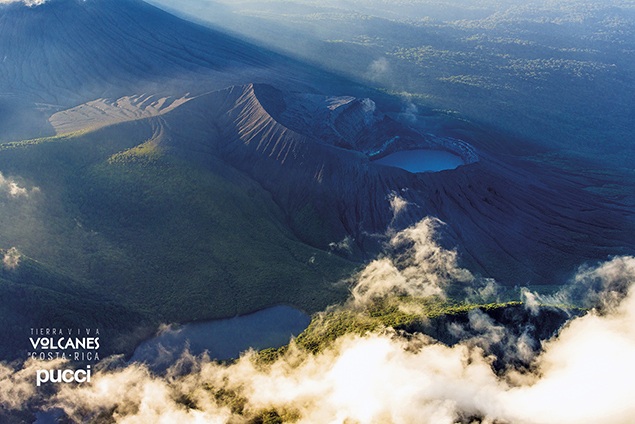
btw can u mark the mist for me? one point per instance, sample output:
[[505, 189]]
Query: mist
[[12, 188], [583, 374], [11, 259]]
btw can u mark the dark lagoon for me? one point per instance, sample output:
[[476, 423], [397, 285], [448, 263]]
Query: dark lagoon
[[422, 160], [224, 338]]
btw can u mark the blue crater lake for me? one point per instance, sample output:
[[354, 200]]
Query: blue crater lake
[[422, 160], [224, 338]]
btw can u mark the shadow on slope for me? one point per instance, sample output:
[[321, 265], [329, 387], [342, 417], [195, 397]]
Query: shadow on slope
[[64, 53]]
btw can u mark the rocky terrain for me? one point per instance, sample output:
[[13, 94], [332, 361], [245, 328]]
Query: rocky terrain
[[512, 220]]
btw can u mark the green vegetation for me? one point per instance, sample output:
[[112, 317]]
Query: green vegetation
[[124, 236], [547, 76], [221, 389], [392, 312], [395, 313], [36, 296]]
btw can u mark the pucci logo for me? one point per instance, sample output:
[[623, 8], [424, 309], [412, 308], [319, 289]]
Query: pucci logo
[[63, 376]]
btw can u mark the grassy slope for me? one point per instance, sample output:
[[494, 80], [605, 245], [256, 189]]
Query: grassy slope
[[155, 236]]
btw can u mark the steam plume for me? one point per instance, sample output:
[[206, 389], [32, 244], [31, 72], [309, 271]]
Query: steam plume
[[418, 267]]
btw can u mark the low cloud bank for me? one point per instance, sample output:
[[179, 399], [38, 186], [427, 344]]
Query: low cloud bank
[[585, 374]]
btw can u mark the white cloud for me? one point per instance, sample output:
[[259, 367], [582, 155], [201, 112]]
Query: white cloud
[[344, 245], [603, 286], [586, 374], [409, 112], [17, 387], [30, 3], [397, 204], [11, 258], [379, 68], [417, 267], [12, 189]]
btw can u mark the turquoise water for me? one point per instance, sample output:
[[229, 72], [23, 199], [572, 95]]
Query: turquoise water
[[225, 338], [422, 160]]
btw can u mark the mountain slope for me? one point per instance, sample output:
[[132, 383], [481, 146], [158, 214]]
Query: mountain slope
[[64, 53], [221, 201], [513, 220], [153, 235]]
